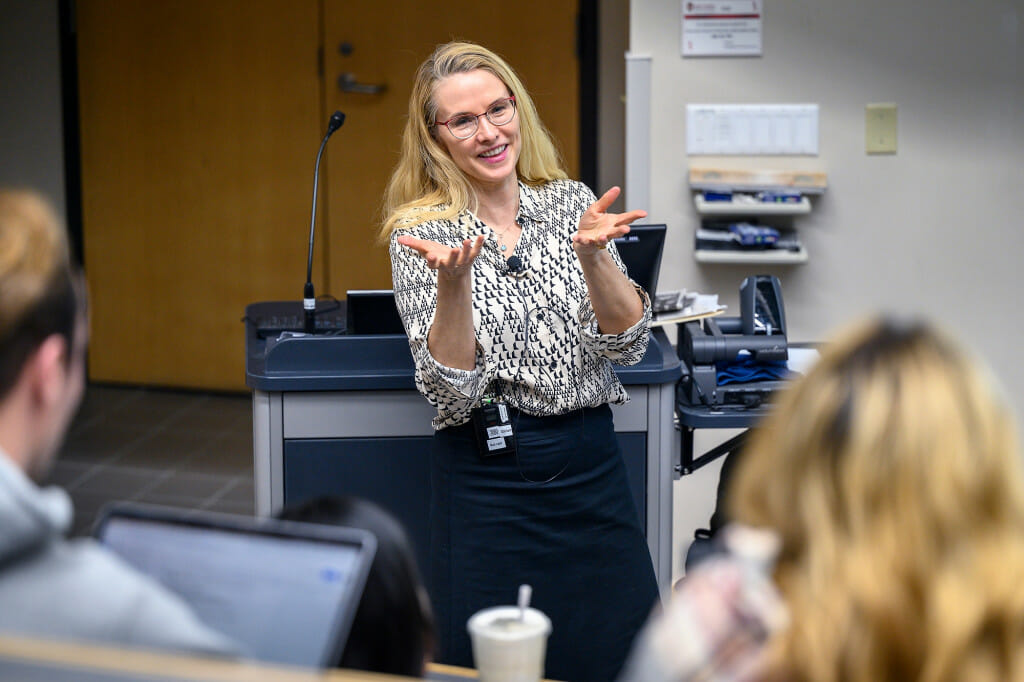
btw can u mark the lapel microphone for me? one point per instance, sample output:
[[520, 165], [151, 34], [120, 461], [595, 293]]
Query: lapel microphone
[[515, 265]]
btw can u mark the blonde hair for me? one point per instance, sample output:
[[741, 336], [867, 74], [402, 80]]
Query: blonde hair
[[33, 248], [37, 289], [892, 474], [426, 184]]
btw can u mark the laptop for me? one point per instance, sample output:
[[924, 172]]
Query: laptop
[[641, 251], [372, 311], [286, 592]]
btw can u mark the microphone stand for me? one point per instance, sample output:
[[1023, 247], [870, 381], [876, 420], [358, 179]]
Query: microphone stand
[[308, 294]]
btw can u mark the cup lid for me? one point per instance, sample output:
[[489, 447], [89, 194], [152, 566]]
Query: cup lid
[[503, 622]]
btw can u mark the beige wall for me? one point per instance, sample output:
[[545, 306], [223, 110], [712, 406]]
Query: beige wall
[[935, 229]]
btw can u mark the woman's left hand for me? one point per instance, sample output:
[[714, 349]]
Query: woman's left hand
[[598, 227]]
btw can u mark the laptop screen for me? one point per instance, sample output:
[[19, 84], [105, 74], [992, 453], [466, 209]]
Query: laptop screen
[[641, 252], [372, 311], [285, 592]]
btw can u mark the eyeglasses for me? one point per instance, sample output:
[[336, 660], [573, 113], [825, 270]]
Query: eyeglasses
[[463, 126]]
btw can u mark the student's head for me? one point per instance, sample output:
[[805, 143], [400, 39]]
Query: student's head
[[427, 175], [891, 473], [42, 331], [393, 629]]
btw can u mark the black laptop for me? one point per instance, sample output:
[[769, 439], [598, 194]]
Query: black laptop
[[286, 592], [372, 311], [641, 251]]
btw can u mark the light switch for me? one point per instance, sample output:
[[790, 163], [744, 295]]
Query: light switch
[[880, 128]]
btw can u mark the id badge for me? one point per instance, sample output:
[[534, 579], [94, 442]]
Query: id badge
[[492, 424]]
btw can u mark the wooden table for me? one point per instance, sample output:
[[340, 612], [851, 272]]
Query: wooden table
[[28, 659]]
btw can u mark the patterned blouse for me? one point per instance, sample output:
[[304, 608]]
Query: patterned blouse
[[538, 344]]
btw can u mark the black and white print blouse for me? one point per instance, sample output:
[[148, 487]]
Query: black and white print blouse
[[538, 344]]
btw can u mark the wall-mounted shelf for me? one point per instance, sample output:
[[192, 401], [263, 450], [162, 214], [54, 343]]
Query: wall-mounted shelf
[[724, 257], [740, 194], [741, 208], [747, 180]]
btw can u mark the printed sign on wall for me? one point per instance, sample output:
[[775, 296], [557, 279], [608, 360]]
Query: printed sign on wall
[[722, 28]]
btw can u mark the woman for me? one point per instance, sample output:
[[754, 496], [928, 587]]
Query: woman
[[393, 628], [890, 478], [516, 303]]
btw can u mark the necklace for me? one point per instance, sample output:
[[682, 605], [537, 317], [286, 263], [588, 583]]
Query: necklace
[[501, 236]]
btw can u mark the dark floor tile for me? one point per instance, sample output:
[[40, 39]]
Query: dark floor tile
[[189, 485], [225, 454], [166, 448], [66, 473], [241, 490], [100, 402], [99, 443], [118, 482], [216, 413], [231, 507], [220, 463], [154, 409], [175, 501]]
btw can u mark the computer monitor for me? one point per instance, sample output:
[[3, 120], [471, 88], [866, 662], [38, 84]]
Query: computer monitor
[[641, 251], [372, 311], [285, 592]]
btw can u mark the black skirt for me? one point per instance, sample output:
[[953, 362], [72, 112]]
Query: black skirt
[[576, 539]]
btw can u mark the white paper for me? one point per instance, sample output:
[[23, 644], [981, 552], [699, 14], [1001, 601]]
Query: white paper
[[722, 28], [802, 359], [751, 129]]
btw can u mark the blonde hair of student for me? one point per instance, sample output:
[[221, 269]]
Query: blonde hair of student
[[33, 250], [426, 184], [892, 473]]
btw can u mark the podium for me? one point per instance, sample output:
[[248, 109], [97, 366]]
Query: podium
[[340, 414]]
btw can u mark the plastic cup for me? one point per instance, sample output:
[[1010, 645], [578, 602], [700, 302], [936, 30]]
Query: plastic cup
[[507, 649]]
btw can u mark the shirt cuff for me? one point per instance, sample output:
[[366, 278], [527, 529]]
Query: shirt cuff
[[614, 346], [460, 383]]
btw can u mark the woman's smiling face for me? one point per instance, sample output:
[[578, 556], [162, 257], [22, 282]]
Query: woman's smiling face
[[488, 157]]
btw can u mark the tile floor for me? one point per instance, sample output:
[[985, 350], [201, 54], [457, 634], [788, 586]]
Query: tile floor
[[174, 448]]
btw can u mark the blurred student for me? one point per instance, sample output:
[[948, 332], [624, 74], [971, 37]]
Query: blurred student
[[49, 586], [887, 484], [393, 628]]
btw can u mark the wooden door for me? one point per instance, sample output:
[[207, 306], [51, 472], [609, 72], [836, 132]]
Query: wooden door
[[199, 126], [382, 42], [197, 123]]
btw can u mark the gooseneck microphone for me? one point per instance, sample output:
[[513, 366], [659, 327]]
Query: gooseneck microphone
[[308, 295]]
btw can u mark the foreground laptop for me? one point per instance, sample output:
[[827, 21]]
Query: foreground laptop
[[286, 592]]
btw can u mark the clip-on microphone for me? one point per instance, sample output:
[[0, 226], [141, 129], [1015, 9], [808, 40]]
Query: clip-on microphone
[[308, 295], [515, 265]]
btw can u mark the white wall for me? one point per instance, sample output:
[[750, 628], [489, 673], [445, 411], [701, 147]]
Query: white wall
[[935, 229], [31, 133]]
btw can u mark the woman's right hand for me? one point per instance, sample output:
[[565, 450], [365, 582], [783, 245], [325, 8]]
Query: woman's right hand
[[450, 263], [451, 340]]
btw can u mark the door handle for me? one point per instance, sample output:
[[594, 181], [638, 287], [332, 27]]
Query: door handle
[[347, 83]]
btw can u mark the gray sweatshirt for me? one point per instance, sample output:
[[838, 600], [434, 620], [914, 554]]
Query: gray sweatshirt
[[52, 587]]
